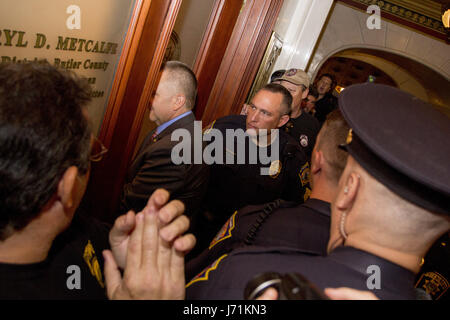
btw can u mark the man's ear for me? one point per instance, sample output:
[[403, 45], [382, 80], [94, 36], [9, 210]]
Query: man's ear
[[179, 101], [305, 93], [317, 161], [283, 120], [347, 194], [66, 186]]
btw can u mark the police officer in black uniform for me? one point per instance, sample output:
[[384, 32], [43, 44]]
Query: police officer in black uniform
[[302, 126], [392, 205], [305, 226], [244, 177]]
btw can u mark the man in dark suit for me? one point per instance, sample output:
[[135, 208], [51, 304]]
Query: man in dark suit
[[153, 166]]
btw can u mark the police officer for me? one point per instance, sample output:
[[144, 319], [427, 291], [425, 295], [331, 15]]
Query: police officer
[[392, 204], [238, 181], [302, 126], [304, 226]]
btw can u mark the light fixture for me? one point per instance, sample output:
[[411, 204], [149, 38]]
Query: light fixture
[[446, 18], [339, 89]]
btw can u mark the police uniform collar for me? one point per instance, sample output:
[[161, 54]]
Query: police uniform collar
[[392, 275], [401, 141], [318, 205]]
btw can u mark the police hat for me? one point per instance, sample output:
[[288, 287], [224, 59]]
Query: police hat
[[401, 141]]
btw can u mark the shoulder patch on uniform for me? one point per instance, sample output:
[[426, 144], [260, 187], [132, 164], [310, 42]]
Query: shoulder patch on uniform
[[307, 194], [203, 276], [304, 174], [91, 260], [434, 284], [225, 232]]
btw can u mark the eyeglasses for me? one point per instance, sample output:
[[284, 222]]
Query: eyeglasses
[[98, 150]]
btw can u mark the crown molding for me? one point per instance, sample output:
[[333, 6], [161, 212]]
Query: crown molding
[[422, 15]]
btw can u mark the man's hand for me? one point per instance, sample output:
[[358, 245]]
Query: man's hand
[[154, 267], [125, 224], [349, 294], [119, 236]]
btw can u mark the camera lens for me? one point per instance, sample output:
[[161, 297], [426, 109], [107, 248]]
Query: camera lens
[[260, 283]]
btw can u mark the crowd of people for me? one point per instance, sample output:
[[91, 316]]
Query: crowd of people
[[349, 191]]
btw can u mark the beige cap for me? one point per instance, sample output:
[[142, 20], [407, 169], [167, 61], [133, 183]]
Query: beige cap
[[295, 76]]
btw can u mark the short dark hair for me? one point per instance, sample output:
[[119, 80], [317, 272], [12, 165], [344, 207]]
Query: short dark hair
[[334, 132], [286, 103], [43, 131], [185, 78], [332, 78]]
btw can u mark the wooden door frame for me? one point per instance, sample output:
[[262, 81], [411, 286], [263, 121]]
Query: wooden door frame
[[212, 50], [137, 74], [243, 56]]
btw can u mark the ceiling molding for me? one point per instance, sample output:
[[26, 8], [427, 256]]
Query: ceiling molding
[[422, 15]]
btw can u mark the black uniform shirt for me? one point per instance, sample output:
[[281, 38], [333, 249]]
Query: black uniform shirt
[[304, 129], [75, 258], [233, 186], [324, 106], [344, 267], [305, 226]]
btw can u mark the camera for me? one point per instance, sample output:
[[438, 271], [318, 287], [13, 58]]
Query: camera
[[290, 286]]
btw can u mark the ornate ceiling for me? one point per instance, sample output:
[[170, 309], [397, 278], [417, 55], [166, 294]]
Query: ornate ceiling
[[422, 15]]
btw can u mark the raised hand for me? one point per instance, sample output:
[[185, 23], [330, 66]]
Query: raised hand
[[154, 267]]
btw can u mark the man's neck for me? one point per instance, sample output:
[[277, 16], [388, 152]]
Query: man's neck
[[23, 249], [296, 112], [264, 140], [407, 260], [321, 96], [163, 126], [29, 245], [323, 190]]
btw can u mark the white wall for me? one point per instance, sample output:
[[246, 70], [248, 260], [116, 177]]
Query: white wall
[[299, 25]]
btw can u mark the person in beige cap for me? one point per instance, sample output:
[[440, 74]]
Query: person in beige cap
[[302, 126]]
